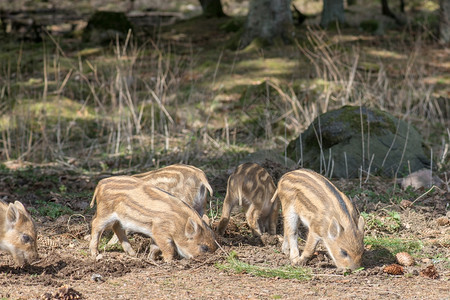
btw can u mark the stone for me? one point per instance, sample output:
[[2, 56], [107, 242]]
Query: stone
[[261, 156], [422, 178], [335, 145]]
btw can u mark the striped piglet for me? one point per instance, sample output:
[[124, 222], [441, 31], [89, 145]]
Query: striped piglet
[[129, 203], [328, 214], [252, 187]]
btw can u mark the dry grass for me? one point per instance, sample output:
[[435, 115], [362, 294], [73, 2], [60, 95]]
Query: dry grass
[[134, 103]]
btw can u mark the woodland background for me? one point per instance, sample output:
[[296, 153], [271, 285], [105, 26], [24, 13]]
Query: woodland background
[[207, 85]]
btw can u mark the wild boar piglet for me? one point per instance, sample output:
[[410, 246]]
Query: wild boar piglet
[[185, 182], [328, 214], [17, 232], [129, 203], [252, 187]]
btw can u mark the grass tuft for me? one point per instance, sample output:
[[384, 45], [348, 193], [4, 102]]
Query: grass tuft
[[389, 221], [233, 264], [50, 209], [394, 245]]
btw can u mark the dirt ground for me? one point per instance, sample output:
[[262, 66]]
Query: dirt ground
[[65, 270]]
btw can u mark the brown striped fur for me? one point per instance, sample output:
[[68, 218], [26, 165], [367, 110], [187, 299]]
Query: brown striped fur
[[130, 203], [17, 232], [251, 186], [328, 214], [185, 182]]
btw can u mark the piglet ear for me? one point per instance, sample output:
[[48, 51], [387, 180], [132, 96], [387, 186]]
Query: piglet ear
[[334, 230], [20, 206], [361, 224], [12, 215], [191, 228], [206, 219]]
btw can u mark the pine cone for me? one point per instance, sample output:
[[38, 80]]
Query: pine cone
[[394, 269], [430, 272], [443, 221], [406, 203], [405, 259]]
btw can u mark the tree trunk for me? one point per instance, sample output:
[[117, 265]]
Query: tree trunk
[[212, 8], [402, 6], [333, 10], [385, 10], [444, 21], [267, 20]]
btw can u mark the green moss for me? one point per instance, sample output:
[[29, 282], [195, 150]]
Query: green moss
[[378, 119], [233, 264], [234, 41], [256, 45], [51, 209], [232, 25], [394, 245]]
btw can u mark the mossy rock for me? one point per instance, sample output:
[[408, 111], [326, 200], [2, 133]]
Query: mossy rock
[[261, 156], [383, 145], [105, 26]]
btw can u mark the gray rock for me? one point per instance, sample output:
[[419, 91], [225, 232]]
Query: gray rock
[[334, 143], [421, 178], [261, 156]]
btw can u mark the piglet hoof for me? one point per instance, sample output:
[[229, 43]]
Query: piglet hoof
[[130, 251], [295, 260], [298, 261], [155, 252], [94, 254], [285, 246], [169, 260], [256, 232]]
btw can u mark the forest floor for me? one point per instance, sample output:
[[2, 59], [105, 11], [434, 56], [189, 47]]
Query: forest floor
[[244, 267], [218, 101]]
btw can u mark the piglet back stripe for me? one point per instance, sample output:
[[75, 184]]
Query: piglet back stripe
[[334, 191], [306, 189], [338, 196], [321, 186]]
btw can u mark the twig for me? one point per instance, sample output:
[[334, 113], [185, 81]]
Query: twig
[[424, 194], [368, 168], [328, 275], [346, 165]]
